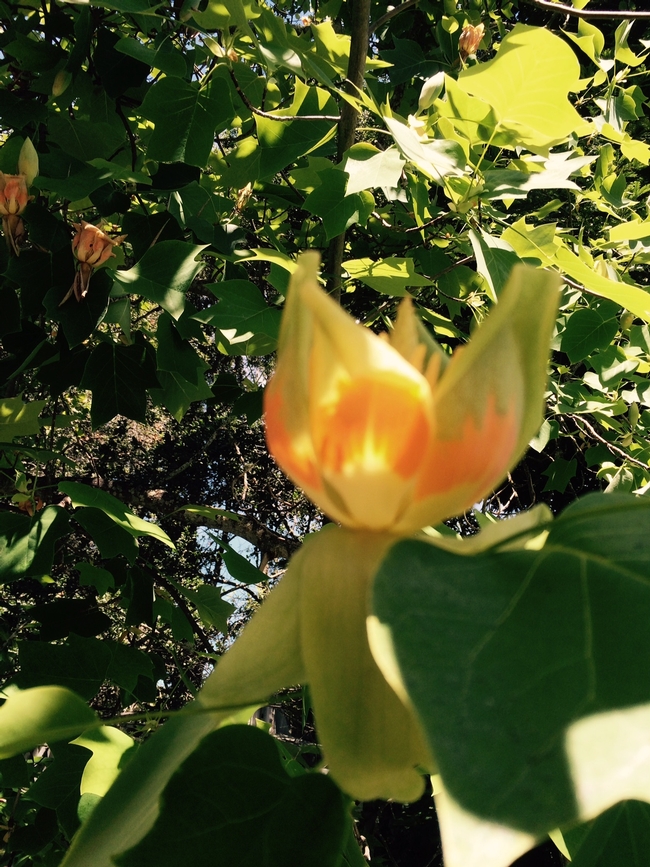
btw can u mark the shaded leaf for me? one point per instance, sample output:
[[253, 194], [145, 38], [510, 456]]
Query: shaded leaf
[[268, 817]]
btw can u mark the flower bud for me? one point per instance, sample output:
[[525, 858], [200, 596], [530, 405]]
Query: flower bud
[[14, 198], [13, 194], [431, 90], [470, 39], [61, 82], [91, 247], [28, 161]]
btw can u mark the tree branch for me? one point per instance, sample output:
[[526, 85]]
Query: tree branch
[[391, 14], [579, 420], [551, 6], [359, 29], [286, 118]]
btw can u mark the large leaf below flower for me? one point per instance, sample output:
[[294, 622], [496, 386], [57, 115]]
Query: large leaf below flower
[[528, 668]]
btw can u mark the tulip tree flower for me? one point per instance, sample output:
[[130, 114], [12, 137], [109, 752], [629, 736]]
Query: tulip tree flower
[[387, 435], [470, 39], [91, 247], [14, 196]]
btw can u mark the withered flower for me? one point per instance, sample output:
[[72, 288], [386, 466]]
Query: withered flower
[[470, 39]]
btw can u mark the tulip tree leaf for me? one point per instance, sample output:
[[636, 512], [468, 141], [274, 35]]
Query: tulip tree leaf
[[111, 539], [164, 274], [45, 714], [27, 544], [83, 496], [619, 836], [437, 159], [337, 210], [527, 84], [82, 664], [368, 168], [118, 377], [261, 666], [273, 818], [248, 325], [589, 329], [186, 118], [19, 419], [213, 609], [503, 652], [391, 276], [178, 394], [631, 297]]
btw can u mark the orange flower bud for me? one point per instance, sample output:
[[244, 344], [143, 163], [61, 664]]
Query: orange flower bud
[[14, 195], [383, 434], [470, 39], [14, 198], [91, 247]]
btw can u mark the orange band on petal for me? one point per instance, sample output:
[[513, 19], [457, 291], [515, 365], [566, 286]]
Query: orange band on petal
[[478, 460], [375, 425], [293, 456]]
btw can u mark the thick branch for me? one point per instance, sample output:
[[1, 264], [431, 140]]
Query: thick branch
[[162, 503], [551, 6], [348, 122]]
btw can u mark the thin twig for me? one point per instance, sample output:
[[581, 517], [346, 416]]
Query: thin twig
[[129, 132], [551, 6], [391, 14], [615, 449], [285, 119]]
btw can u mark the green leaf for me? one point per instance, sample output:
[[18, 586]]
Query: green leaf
[[82, 138], [248, 325], [164, 57], [57, 787], [391, 276], [82, 664], [337, 210], [239, 567], [109, 747], [46, 714], [93, 576], [589, 329], [268, 657], [521, 664], [186, 118], [19, 419], [494, 260], [368, 168], [111, 539], [164, 274], [118, 377], [27, 544], [437, 159], [281, 143], [80, 318], [619, 836], [83, 496], [176, 355], [178, 394], [559, 474], [273, 818], [527, 84], [213, 609], [632, 298]]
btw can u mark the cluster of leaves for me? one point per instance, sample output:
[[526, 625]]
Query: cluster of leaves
[[214, 137]]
